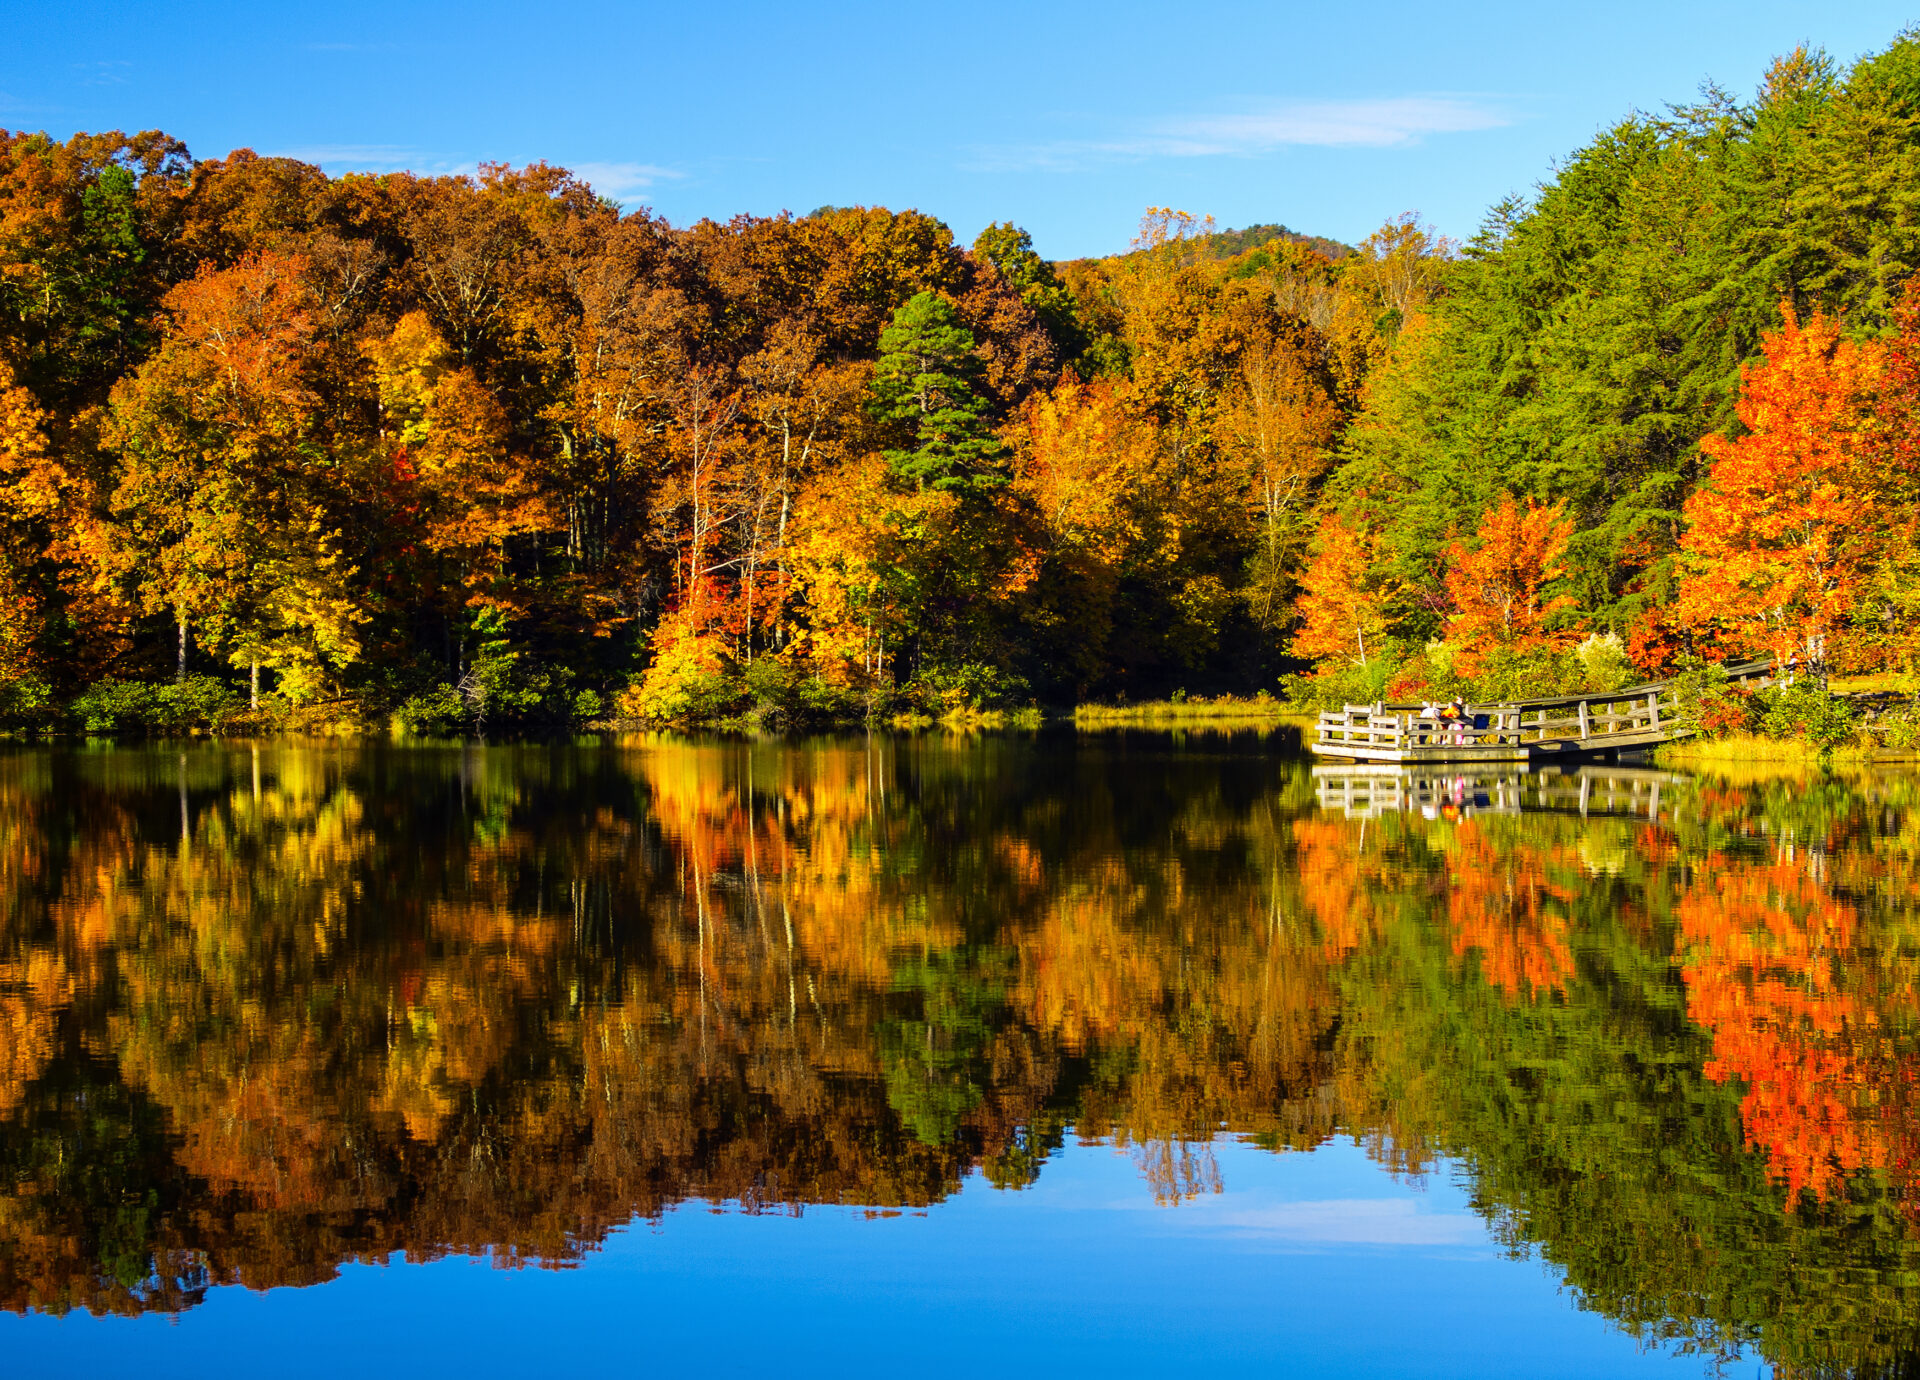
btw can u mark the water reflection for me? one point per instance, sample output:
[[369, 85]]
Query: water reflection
[[264, 1012]]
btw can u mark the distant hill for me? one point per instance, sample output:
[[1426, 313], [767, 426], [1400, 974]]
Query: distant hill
[[1226, 243]]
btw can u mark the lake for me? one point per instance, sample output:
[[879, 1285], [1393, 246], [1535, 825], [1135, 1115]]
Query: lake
[[1120, 1051]]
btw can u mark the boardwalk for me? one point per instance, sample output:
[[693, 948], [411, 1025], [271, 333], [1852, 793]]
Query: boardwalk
[[1518, 731]]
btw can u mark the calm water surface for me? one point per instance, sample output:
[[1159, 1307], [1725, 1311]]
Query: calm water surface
[[1123, 1052]]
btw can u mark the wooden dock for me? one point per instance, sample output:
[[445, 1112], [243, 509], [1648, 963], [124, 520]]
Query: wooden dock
[[1519, 731]]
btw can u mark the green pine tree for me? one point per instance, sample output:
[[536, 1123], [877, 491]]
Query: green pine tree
[[924, 386]]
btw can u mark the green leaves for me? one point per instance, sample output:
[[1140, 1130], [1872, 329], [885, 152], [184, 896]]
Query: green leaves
[[1010, 250], [924, 390]]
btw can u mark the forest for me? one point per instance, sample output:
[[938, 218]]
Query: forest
[[280, 449]]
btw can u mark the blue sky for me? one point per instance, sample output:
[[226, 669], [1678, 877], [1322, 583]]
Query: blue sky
[[1069, 119]]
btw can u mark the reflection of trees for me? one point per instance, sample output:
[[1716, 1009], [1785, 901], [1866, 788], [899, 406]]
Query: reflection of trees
[[265, 1014], [1763, 945], [1512, 904]]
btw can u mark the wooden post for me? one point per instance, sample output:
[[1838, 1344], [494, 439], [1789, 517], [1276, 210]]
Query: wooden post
[[1653, 708], [1584, 727]]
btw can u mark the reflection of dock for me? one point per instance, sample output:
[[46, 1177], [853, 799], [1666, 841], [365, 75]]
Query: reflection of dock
[[1365, 791]]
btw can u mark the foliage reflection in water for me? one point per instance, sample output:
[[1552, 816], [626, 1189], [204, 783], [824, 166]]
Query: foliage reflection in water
[[264, 1012]]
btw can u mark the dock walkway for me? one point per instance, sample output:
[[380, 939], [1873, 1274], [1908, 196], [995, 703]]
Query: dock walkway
[[1559, 727]]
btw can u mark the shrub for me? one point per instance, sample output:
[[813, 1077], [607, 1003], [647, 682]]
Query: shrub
[[131, 706], [1507, 674], [1344, 683], [975, 685], [1898, 729], [437, 713], [25, 702], [1604, 663], [1723, 710], [1805, 710], [688, 679], [114, 706], [819, 699]]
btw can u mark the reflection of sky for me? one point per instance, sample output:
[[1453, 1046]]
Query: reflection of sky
[[1308, 1264]]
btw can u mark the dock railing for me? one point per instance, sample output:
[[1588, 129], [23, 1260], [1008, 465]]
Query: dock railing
[[1637, 716]]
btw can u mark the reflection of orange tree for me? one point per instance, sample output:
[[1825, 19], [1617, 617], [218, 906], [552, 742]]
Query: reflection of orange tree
[[1761, 943], [1512, 905], [33, 992], [1333, 881]]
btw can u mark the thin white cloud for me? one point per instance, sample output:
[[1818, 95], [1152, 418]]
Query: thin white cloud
[[1332, 1222], [1385, 122], [622, 180], [1358, 1221], [361, 157], [107, 73], [616, 180]]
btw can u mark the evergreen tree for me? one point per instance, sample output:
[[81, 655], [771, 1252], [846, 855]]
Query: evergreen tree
[[925, 389], [1010, 250]]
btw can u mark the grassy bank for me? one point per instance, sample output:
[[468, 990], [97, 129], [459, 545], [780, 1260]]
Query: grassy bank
[[1261, 708], [1766, 756], [1742, 749]]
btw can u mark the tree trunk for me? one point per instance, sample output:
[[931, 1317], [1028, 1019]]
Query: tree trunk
[[253, 686], [180, 662]]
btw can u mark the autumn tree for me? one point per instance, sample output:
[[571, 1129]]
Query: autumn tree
[[1887, 621], [1343, 604], [33, 497], [1500, 585], [1085, 463], [1791, 519], [449, 479], [84, 230], [1010, 250], [224, 500], [1277, 423]]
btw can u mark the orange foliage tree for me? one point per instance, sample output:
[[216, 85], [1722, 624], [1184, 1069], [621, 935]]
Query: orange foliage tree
[[1785, 533], [32, 490], [1341, 603], [225, 497], [1499, 585], [1082, 458]]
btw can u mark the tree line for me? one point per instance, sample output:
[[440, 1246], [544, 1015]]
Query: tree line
[[1664, 408], [490, 450]]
